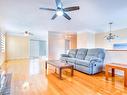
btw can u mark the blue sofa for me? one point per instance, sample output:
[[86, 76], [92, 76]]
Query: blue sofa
[[89, 61]]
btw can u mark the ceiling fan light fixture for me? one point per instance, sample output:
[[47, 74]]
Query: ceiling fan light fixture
[[26, 33], [60, 10], [59, 13]]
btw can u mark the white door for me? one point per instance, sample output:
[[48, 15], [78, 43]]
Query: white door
[[34, 49], [67, 45]]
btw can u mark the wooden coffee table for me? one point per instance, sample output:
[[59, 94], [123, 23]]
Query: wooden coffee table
[[114, 66], [60, 66]]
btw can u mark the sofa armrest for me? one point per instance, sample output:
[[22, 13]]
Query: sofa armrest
[[97, 66], [64, 55], [96, 60]]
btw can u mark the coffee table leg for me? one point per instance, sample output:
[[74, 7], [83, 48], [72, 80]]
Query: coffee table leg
[[113, 72], [46, 67], [125, 78], [60, 73], [106, 72], [72, 71], [55, 70]]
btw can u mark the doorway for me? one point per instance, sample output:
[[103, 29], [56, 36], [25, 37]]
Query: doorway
[[37, 48], [67, 45]]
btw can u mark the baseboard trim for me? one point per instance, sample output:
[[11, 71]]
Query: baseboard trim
[[18, 59]]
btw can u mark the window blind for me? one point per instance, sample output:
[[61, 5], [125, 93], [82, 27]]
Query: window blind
[[2, 42]]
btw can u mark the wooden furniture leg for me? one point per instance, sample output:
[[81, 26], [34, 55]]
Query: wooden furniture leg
[[60, 73], [114, 66], [46, 67], [113, 72], [72, 71], [106, 72], [55, 70], [125, 78]]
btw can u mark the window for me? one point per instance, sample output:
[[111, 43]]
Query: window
[[122, 46], [2, 42]]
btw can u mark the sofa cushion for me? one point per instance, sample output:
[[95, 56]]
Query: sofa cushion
[[81, 53], [72, 53], [92, 58], [71, 60], [83, 63], [88, 58], [98, 53]]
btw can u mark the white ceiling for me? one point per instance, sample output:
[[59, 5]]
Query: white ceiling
[[94, 15]]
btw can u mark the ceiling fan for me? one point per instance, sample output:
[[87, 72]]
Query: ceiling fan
[[26, 33], [60, 10]]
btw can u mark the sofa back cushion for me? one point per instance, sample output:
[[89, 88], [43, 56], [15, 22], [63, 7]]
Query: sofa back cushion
[[89, 58], [72, 53], [95, 53], [81, 53]]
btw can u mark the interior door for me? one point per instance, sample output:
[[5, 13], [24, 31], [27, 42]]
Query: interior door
[[34, 49], [37, 48], [67, 45]]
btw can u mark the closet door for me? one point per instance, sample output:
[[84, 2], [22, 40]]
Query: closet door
[[34, 49], [37, 48]]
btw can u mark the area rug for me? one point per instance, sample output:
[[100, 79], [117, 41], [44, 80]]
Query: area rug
[[5, 84]]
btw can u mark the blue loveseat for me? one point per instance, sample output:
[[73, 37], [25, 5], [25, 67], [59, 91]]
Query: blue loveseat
[[89, 61]]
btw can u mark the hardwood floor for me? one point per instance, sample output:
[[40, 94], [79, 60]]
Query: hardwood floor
[[29, 78]]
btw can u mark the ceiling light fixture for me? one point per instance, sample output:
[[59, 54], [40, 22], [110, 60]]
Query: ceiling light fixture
[[26, 33], [110, 36], [59, 13], [60, 10]]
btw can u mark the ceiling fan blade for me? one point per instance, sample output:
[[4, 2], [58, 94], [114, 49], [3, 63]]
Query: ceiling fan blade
[[54, 16], [49, 9], [59, 4], [71, 8], [105, 36], [67, 16], [31, 34]]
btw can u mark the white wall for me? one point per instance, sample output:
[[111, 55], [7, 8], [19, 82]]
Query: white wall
[[17, 47], [90, 40], [2, 58], [56, 45], [85, 40]]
